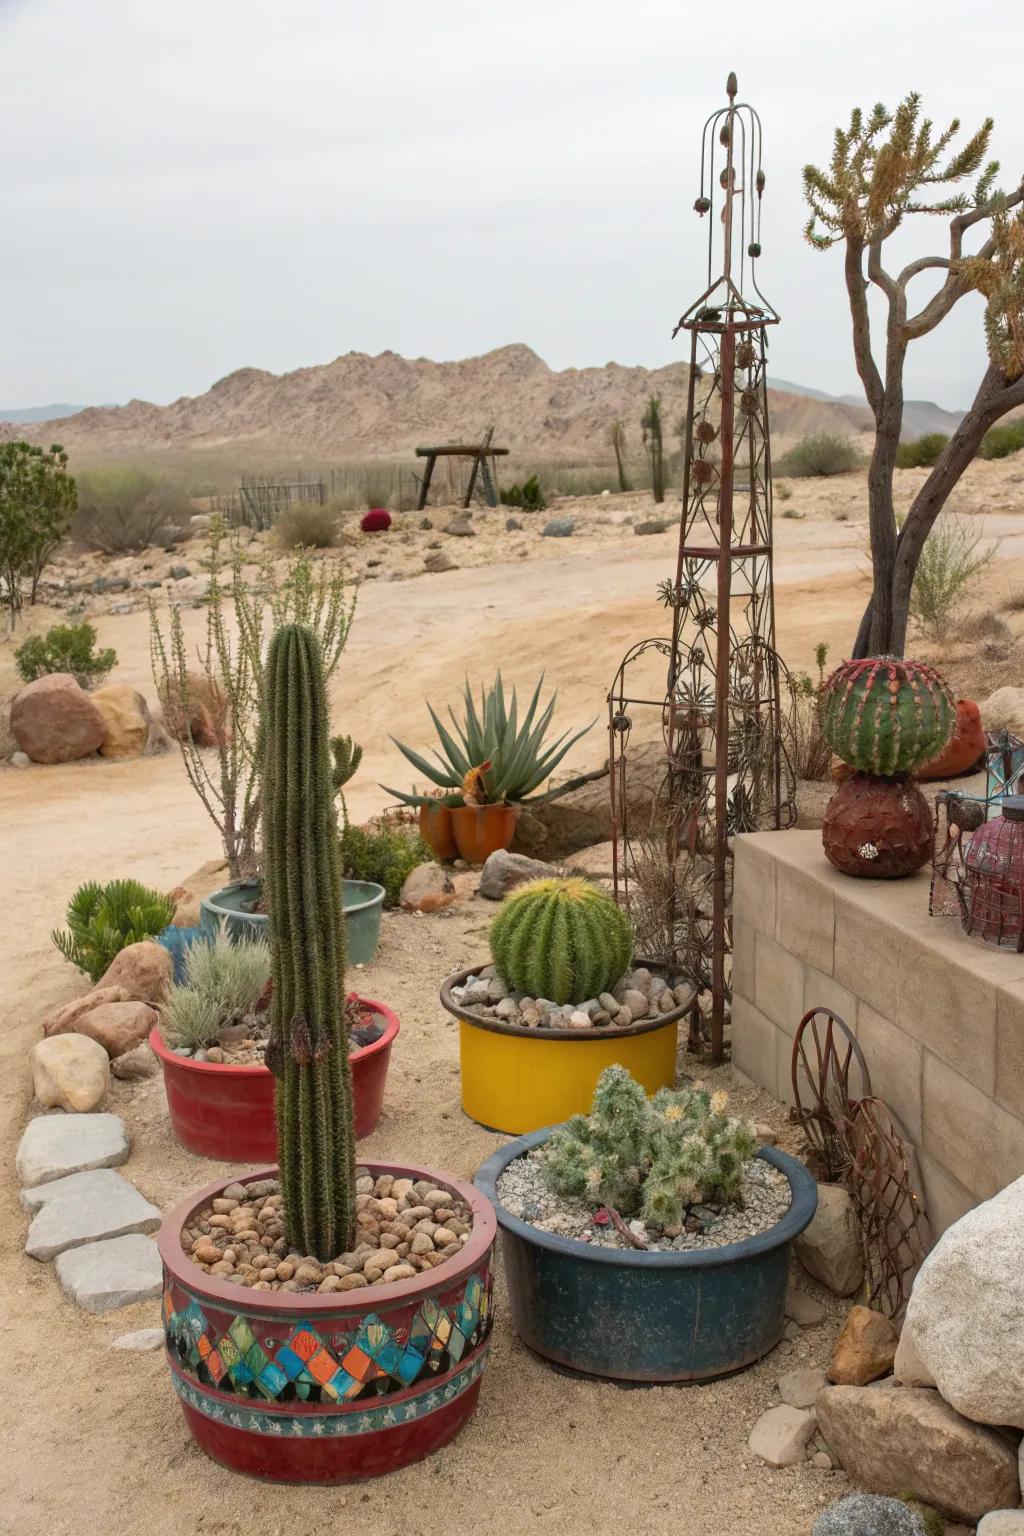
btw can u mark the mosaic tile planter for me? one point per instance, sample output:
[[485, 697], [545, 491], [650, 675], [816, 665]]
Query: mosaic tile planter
[[227, 1112], [654, 1316], [328, 1388]]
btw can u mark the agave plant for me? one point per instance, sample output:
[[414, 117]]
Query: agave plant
[[492, 756]]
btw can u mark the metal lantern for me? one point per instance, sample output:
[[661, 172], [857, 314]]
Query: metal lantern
[[992, 893]]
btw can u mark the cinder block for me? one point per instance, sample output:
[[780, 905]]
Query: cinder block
[[805, 913], [742, 959], [951, 1010], [1010, 1047], [778, 983], [894, 1060], [753, 1044], [865, 954], [753, 899], [821, 991], [945, 1200], [978, 1143]]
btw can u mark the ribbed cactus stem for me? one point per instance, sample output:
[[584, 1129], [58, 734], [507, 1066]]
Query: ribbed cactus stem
[[563, 940], [308, 1046], [886, 716]]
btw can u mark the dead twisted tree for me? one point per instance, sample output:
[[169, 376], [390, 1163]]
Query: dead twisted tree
[[883, 168]]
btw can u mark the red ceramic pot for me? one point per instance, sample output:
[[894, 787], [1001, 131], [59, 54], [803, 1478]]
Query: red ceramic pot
[[436, 831], [227, 1112], [328, 1388], [878, 828], [481, 830]]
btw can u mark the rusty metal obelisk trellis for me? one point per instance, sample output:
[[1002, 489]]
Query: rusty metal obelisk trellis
[[725, 766]]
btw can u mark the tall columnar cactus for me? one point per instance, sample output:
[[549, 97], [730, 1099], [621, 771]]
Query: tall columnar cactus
[[886, 716], [563, 940], [308, 1047]]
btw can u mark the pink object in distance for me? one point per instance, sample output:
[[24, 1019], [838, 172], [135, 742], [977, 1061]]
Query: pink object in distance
[[377, 520]]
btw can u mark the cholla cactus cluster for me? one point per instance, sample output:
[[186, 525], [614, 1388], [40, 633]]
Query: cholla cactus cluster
[[650, 1157], [561, 939], [886, 716]]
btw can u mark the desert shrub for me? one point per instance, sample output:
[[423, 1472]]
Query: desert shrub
[[65, 648], [223, 984], [821, 454], [308, 525], [952, 557], [387, 855], [37, 498], [810, 754], [999, 442], [1013, 602], [985, 626], [782, 491], [922, 452], [649, 1157], [104, 919], [529, 496], [127, 507]]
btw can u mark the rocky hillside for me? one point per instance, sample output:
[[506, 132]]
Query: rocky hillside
[[365, 406]]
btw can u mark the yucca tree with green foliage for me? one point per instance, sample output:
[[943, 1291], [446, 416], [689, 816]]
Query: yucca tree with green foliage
[[104, 919], [491, 755], [885, 167]]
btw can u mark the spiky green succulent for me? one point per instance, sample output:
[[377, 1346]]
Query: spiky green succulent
[[307, 1048], [649, 1157], [565, 940], [104, 919], [507, 758], [886, 716]]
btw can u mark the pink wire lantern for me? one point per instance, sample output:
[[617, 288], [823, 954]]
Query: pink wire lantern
[[993, 883]]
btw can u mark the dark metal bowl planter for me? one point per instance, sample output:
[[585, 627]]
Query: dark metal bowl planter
[[235, 907], [648, 1316], [226, 1112], [328, 1388], [516, 1079]]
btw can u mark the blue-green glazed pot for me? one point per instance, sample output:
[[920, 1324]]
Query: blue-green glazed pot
[[648, 1316], [235, 908]]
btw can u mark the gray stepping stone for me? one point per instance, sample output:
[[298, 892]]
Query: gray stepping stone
[[32, 1199], [54, 1145], [102, 1276], [141, 1339], [100, 1204]]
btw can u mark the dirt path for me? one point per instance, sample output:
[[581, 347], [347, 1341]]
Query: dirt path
[[94, 1441]]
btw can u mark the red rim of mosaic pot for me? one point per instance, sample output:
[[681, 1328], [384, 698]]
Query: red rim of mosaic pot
[[225, 1110], [333, 1387]]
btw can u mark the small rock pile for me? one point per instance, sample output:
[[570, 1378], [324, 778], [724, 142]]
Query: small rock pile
[[765, 1199], [403, 1226], [641, 994]]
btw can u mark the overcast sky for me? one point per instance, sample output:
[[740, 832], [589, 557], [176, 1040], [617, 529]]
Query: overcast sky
[[194, 186]]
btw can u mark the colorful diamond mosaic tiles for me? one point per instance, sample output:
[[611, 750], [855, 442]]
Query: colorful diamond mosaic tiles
[[375, 1360], [357, 1422]]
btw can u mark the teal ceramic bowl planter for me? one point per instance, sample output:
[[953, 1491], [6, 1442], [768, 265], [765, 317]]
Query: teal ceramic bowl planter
[[235, 908], [648, 1317]]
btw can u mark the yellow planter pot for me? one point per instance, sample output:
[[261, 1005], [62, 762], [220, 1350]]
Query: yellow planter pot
[[518, 1080]]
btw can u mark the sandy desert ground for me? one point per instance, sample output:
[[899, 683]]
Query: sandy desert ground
[[94, 1442]]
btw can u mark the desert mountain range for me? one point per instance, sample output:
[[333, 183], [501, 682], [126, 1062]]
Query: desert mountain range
[[362, 406]]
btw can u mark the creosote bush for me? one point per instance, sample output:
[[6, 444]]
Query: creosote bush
[[649, 1157], [953, 555], [37, 498], [565, 940], [104, 919], [65, 648], [307, 525], [386, 855], [128, 507], [1000, 442], [224, 981], [821, 454], [922, 452]]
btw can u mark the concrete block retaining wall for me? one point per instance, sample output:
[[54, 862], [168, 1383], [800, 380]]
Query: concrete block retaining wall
[[939, 1016]]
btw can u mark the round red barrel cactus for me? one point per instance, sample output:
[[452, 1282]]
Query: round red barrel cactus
[[883, 715], [377, 520], [877, 827]]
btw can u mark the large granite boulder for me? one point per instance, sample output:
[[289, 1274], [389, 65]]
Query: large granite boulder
[[966, 1314], [126, 717], [53, 720]]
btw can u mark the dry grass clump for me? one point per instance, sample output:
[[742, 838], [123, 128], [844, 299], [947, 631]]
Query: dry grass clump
[[308, 525]]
